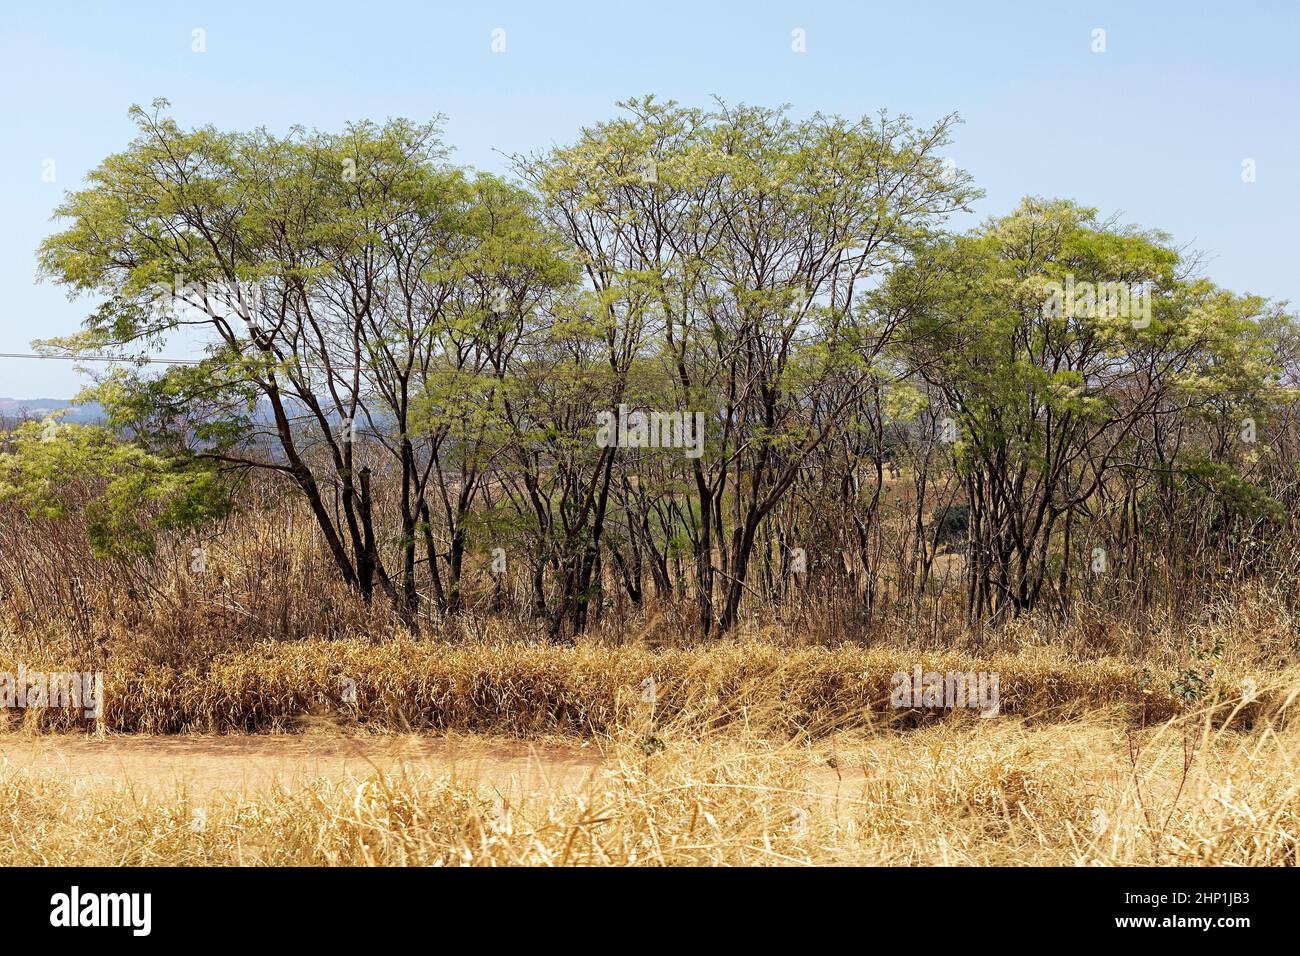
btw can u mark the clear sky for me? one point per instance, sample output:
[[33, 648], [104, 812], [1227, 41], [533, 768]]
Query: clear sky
[[1156, 127]]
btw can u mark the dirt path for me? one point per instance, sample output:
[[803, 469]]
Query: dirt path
[[205, 766]]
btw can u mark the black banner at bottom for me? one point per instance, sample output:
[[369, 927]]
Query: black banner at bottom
[[334, 906]]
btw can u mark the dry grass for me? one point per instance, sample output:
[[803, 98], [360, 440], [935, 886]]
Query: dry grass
[[776, 747], [753, 753], [536, 689], [994, 792]]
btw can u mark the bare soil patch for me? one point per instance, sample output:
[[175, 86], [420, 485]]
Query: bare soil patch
[[205, 766]]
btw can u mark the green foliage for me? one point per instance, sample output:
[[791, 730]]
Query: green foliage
[[1194, 680], [950, 523], [1231, 491], [126, 494]]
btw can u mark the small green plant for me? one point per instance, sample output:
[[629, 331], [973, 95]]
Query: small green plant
[[1194, 680]]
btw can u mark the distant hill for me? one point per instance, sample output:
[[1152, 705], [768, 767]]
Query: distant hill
[[40, 407]]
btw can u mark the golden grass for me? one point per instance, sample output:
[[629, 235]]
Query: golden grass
[[756, 751], [536, 689], [992, 792]]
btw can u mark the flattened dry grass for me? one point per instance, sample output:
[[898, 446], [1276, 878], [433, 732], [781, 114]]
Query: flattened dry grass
[[484, 675], [520, 689]]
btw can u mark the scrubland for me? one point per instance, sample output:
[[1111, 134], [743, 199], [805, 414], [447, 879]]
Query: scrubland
[[1119, 738]]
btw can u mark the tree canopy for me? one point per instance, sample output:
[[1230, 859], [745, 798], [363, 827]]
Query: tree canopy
[[447, 365]]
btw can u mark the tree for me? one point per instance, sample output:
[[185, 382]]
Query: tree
[[1062, 345], [730, 245], [332, 276]]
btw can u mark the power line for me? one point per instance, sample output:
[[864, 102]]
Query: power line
[[94, 357], [99, 357]]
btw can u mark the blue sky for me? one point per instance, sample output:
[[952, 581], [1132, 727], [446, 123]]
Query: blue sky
[[1155, 128]]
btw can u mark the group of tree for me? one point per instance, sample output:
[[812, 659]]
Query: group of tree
[[426, 356]]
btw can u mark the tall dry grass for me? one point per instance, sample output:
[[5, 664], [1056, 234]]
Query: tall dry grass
[[267, 576]]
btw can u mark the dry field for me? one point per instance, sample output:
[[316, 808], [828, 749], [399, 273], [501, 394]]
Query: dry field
[[1000, 792], [1116, 742], [750, 754]]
